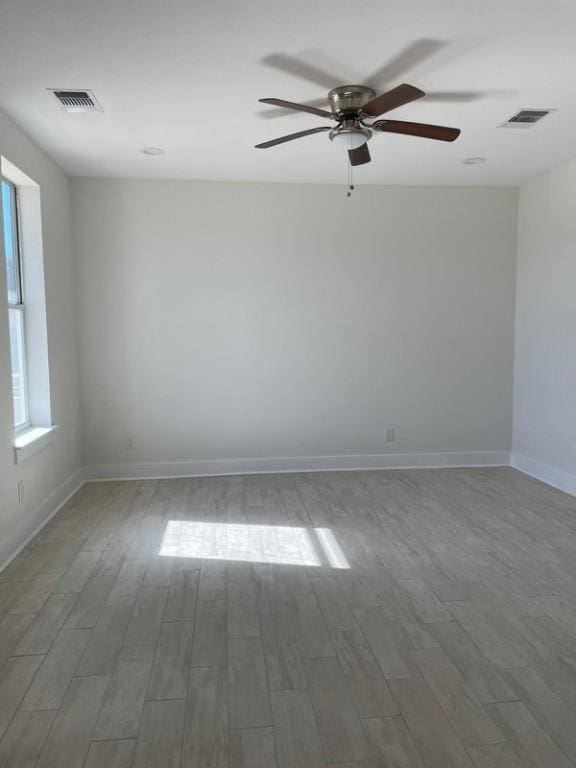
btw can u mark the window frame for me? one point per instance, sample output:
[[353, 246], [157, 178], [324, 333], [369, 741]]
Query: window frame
[[20, 305]]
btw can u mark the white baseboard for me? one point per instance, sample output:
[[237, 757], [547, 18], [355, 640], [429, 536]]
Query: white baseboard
[[207, 468], [565, 481], [558, 478], [51, 505]]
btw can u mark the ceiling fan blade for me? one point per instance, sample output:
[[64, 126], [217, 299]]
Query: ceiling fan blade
[[293, 66], [398, 96], [299, 107], [464, 96], [438, 132], [407, 59], [274, 112], [291, 137], [455, 96], [360, 155]]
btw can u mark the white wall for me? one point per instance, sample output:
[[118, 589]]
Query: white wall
[[224, 321], [49, 474], [545, 366]]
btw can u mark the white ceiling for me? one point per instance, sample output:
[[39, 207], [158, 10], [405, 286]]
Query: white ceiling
[[186, 75]]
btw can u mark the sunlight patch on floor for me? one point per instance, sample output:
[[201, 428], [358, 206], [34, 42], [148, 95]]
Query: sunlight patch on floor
[[332, 550], [284, 545]]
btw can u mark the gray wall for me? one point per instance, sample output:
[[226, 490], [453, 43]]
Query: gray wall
[[545, 366], [49, 473], [223, 320]]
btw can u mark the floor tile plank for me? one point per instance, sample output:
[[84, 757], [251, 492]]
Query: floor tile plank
[[15, 678], [74, 723], [10, 593], [480, 677], [392, 740], [170, 670], [532, 744], [297, 738], [212, 584], [182, 595], [106, 641], [424, 601], [25, 738], [248, 701], [52, 679], [111, 754], [431, 731], [243, 618], [333, 602], [78, 573], [386, 644], [160, 735], [210, 637], [491, 638], [122, 707], [128, 583], [366, 682], [495, 756], [465, 712], [36, 593], [206, 720], [340, 728], [253, 748], [145, 623], [313, 637], [12, 628], [90, 603], [553, 714], [45, 627]]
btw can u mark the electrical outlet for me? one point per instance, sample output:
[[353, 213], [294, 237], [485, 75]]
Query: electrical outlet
[[390, 435], [21, 492], [129, 444]]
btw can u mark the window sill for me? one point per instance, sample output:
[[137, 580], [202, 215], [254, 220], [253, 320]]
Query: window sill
[[31, 441]]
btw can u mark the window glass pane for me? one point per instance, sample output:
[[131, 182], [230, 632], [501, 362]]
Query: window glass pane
[[10, 241], [16, 318]]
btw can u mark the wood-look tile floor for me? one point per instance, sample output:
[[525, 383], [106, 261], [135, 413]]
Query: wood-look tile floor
[[365, 620]]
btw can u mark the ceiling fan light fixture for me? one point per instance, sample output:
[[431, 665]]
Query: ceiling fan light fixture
[[350, 138]]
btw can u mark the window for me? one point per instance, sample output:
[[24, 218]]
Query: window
[[16, 308], [29, 374]]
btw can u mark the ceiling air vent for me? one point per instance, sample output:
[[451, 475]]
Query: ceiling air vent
[[77, 101], [526, 117]]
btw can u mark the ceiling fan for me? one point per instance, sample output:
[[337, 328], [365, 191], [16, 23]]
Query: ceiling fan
[[352, 106]]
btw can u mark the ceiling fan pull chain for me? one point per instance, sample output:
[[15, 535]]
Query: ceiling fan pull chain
[[350, 180]]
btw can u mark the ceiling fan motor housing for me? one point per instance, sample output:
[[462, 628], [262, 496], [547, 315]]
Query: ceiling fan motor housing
[[349, 99]]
